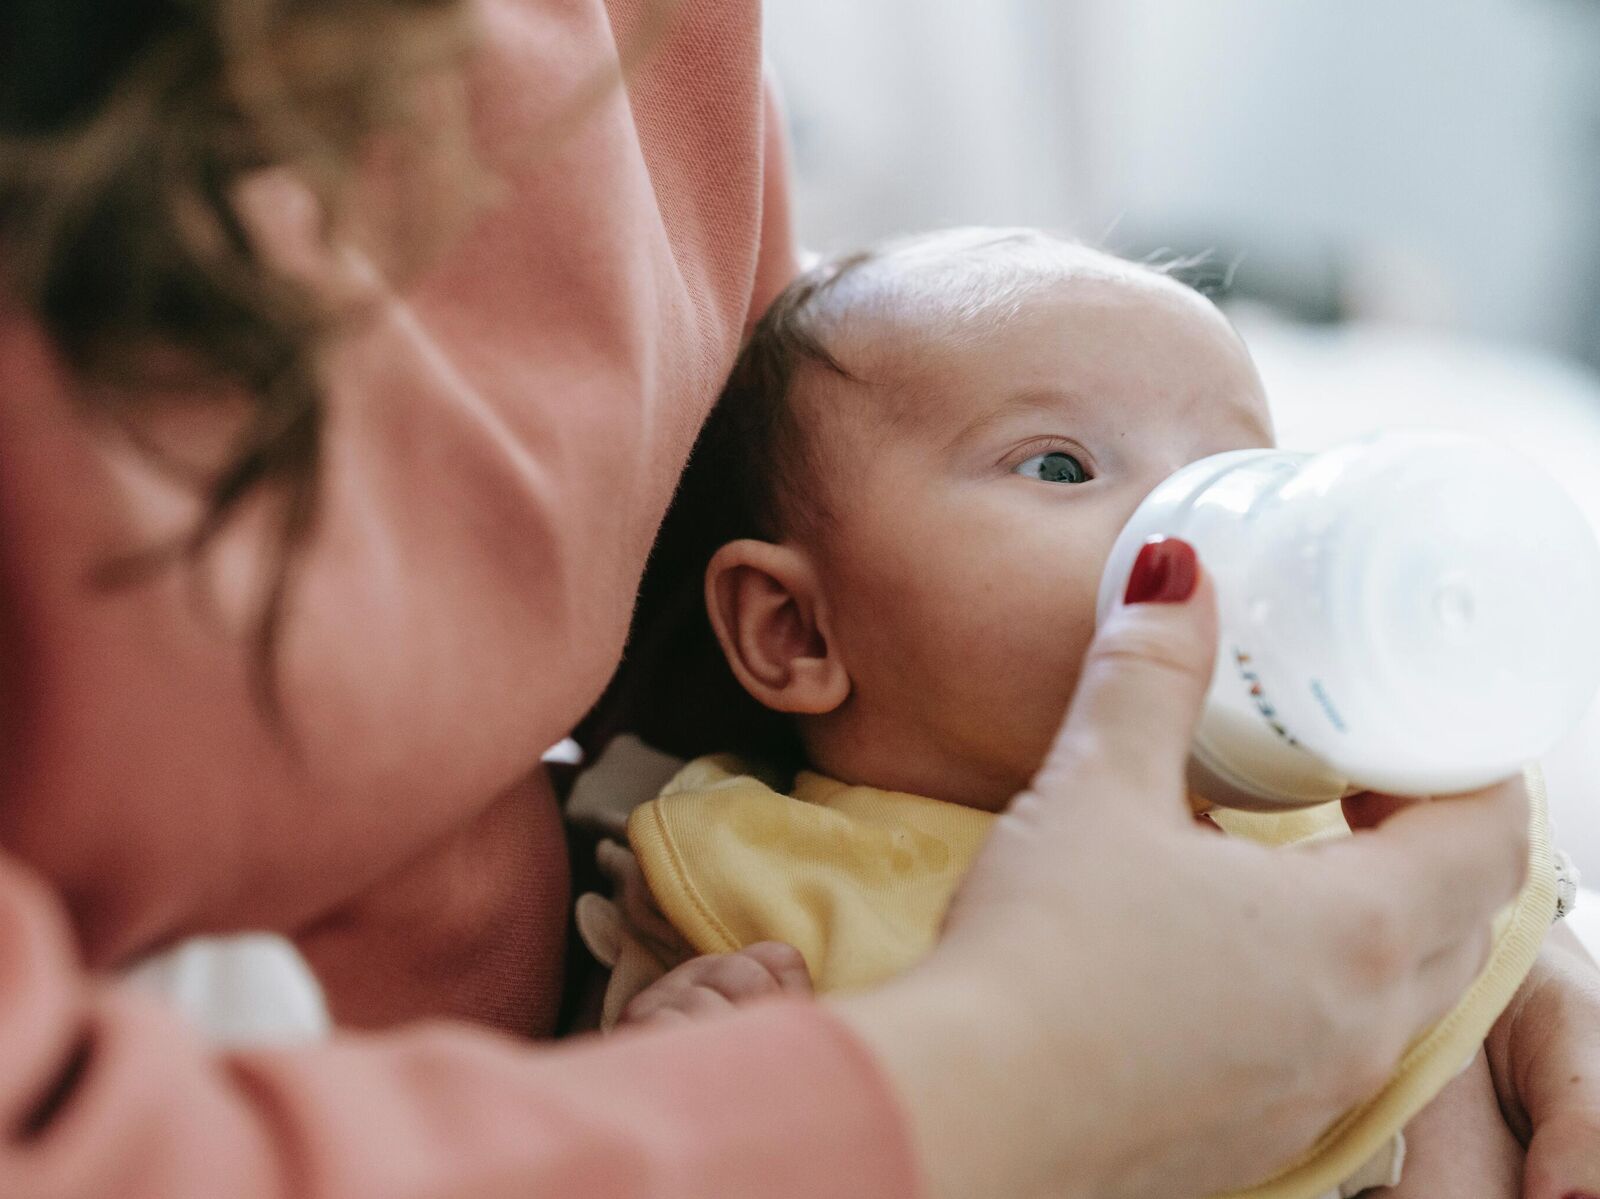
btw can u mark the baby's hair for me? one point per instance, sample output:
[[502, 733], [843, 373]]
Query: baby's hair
[[754, 468], [674, 688], [752, 452]]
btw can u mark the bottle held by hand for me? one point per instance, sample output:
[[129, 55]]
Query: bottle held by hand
[[1410, 612]]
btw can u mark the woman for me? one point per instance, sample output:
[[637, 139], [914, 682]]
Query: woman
[[310, 541]]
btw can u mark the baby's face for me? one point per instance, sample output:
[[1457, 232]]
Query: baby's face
[[976, 488]]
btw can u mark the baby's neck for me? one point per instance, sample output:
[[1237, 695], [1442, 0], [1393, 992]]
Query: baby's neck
[[900, 764]]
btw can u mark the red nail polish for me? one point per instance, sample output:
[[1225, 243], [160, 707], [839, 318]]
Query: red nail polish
[[1580, 1195], [1165, 572]]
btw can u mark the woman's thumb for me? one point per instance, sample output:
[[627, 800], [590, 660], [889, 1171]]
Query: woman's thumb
[[1127, 733]]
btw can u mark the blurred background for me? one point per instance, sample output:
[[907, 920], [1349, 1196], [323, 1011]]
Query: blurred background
[[1400, 198]]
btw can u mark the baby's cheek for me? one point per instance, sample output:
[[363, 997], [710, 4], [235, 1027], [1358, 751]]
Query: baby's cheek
[[1022, 653], [976, 624]]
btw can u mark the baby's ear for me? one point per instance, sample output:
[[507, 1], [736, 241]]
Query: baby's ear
[[770, 615]]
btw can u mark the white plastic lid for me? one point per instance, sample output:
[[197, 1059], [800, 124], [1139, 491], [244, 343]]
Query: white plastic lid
[[1462, 586], [1416, 612]]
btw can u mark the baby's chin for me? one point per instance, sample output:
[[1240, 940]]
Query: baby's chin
[[997, 798], [995, 795]]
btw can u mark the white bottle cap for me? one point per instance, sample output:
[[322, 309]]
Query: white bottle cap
[[1411, 612]]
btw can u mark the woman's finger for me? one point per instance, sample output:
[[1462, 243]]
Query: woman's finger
[[1432, 874], [1126, 737], [1443, 978], [1369, 809]]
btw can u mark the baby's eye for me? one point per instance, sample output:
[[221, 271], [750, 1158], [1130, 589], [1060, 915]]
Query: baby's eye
[[1054, 467]]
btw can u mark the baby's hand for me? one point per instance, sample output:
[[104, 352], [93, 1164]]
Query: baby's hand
[[717, 983], [1545, 1051]]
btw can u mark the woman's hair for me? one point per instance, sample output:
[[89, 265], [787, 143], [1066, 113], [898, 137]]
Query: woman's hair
[[126, 129]]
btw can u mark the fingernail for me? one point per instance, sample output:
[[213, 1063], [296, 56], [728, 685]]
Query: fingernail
[[1165, 572], [1579, 1195]]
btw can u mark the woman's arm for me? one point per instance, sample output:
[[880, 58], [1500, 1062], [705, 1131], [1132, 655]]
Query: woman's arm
[[104, 1094], [778, 258]]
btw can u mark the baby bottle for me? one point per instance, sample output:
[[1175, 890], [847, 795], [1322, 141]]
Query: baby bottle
[[1416, 613]]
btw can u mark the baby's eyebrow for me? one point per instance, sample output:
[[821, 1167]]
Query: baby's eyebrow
[[1035, 401]]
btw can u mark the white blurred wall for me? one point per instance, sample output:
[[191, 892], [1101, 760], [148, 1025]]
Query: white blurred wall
[[1446, 146], [912, 113], [1446, 153]]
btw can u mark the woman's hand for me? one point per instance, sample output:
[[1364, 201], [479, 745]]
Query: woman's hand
[[716, 983], [1544, 1053], [1124, 1005]]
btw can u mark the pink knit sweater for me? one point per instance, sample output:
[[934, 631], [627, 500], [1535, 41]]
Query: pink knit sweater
[[504, 439]]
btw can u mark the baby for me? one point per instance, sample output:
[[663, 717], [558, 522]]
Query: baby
[[897, 518]]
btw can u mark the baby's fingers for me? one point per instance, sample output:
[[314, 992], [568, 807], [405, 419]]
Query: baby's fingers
[[784, 962], [766, 968], [713, 984]]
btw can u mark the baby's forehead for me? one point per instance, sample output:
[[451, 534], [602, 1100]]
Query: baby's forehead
[[903, 317], [963, 338], [962, 282]]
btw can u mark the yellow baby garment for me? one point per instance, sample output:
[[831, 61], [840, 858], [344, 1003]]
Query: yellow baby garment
[[858, 880]]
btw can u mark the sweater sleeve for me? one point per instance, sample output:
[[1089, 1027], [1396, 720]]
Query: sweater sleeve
[[778, 258], [103, 1093]]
